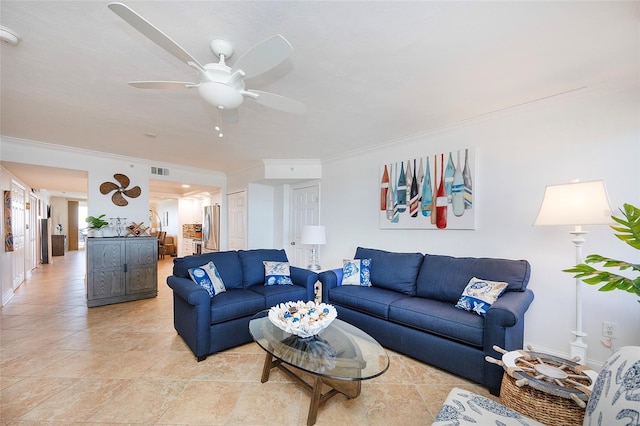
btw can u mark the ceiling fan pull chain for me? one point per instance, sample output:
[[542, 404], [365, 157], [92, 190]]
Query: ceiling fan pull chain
[[217, 127]]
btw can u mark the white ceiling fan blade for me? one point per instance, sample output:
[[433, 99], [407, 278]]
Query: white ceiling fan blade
[[162, 84], [152, 33], [263, 56], [277, 102], [229, 115]]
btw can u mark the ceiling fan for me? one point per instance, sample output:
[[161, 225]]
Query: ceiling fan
[[220, 85]]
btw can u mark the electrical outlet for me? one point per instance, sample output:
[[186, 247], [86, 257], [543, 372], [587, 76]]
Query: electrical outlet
[[609, 329]]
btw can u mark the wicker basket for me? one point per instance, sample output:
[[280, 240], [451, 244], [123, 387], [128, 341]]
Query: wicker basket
[[548, 409]]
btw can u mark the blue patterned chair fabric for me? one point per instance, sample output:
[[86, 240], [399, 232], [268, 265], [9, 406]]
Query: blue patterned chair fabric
[[615, 399]]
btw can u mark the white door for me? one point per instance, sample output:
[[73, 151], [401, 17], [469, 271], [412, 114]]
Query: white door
[[305, 210], [236, 219], [18, 228]]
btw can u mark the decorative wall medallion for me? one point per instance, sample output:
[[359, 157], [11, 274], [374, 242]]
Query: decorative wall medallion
[[120, 190]]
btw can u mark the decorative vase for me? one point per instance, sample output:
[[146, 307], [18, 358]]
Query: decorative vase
[[94, 233]]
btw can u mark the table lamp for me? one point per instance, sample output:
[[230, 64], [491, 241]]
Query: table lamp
[[576, 204], [314, 235]]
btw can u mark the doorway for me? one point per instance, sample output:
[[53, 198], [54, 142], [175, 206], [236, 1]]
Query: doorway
[[305, 210], [237, 220]]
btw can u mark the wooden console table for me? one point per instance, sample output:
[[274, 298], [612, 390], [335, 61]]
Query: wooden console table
[[58, 245]]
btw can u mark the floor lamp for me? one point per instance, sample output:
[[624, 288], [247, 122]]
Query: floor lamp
[[314, 235], [576, 204]]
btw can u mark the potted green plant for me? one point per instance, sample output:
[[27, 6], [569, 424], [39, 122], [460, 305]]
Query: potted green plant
[[95, 225], [628, 230]]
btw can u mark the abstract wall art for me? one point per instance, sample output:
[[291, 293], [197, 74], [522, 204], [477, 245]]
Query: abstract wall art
[[430, 191]]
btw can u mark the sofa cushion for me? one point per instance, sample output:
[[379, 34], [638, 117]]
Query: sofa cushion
[[235, 303], [445, 277], [393, 271], [356, 272], [439, 318], [227, 263], [208, 277], [276, 294], [370, 300], [277, 273], [479, 295], [252, 266]]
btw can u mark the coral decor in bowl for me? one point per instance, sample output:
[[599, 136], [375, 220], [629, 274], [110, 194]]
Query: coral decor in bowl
[[303, 319]]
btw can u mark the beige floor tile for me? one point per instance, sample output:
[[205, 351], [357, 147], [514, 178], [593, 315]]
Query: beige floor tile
[[6, 381], [144, 401], [102, 364], [231, 367], [176, 365], [19, 322], [203, 403], [36, 340], [27, 363], [389, 404], [79, 402], [270, 403], [23, 396], [335, 411]]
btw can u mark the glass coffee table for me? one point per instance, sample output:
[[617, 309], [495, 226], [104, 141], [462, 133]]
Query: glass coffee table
[[340, 356]]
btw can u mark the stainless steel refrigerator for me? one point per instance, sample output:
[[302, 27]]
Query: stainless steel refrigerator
[[211, 229]]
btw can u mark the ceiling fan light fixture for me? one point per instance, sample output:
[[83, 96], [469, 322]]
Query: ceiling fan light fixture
[[9, 36], [219, 85], [220, 95]]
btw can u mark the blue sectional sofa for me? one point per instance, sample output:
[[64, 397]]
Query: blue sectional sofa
[[211, 324], [410, 308]]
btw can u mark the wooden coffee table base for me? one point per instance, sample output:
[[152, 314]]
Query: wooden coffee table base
[[349, 388]]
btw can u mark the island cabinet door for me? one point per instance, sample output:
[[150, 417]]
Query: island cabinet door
[[142, 265], [105, 268]]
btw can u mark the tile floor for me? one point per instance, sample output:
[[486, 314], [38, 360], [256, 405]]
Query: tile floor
[[64, 363]]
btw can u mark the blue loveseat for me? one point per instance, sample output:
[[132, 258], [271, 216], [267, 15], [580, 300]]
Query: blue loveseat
[[212, 324], [410, 308]]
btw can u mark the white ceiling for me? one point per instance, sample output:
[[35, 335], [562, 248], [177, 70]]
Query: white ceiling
[[368, 72]]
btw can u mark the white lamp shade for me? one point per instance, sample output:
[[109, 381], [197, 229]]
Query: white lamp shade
[[314, 234], [576, 203]]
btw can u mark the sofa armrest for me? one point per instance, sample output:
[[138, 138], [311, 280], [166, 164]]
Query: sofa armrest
[[504, 327], [188, 290], [329, 279], [509, 309], [304, 278], [191, 314]]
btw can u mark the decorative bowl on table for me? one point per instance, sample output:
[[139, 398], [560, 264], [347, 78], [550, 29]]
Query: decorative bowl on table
[[303, 319]]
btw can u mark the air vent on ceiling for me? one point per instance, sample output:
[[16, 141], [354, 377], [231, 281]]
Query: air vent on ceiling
[[160, 171]]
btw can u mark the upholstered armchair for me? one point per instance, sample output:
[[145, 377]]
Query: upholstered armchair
[[169, 246]]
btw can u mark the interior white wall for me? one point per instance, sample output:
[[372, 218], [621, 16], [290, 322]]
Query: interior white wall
[[170, 207], [59, 214], [260, 216], [589, 135]]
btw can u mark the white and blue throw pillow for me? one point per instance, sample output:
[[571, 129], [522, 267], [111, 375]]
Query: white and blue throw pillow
[[479, 295], [356, 272], [277, 273], [208, 277]]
